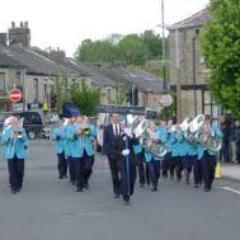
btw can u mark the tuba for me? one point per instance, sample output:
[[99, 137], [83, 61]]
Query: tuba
[[140, 127], [204, 134]]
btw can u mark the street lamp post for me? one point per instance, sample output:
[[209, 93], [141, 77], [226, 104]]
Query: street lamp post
[[178, 78], [163, 45]]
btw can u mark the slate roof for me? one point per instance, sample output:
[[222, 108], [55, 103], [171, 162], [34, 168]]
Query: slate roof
[[8, 62], [97, 78], [196, 20], [141, 79], [40, 62], [33, 62]]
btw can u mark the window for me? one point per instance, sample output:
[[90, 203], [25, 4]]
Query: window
[[35, 89], [2, 81], [18, 76], [209, 106]]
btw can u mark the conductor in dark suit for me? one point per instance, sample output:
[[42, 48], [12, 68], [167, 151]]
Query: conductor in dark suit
[[119, 148], [110, 138]]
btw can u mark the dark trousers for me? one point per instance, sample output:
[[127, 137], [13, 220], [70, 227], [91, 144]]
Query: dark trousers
[[79, 172], [176, 167], [208, 169], [71, 170], [115, 167], [154, 168], [166, 164], [62, 165], [225, 154], [197, 172], [128, 177], [88, 167], [16, 173], [142, 169]]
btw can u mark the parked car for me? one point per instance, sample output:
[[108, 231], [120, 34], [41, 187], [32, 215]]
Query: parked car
[[33, 122]]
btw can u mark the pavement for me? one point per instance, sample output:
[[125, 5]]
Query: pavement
[[50, 209], [231, 171]]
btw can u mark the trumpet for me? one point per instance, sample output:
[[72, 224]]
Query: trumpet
[[84, 131]]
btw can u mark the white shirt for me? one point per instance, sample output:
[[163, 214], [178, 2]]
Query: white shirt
[[116, 129]]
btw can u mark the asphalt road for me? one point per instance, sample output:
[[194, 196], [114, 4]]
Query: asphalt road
[[50, 209]]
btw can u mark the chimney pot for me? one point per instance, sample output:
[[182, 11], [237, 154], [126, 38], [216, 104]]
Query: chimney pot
[[13, 24]]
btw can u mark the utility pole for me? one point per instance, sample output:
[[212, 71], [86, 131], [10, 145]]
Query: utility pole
[[178, 78], [163, 44]]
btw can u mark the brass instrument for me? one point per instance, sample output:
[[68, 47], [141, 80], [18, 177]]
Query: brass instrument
[[140, 128], [84, 130], [204, 134]]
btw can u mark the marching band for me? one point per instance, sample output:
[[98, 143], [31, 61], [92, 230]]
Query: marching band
[[135, 146]]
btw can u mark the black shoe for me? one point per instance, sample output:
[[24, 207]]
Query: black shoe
[[206, 189], [14, 191], [126, 199], [141, 185], [60, 177], [86, 186], [79, 190], [73, 183], [196, 186], [154, 189], [116, 196]]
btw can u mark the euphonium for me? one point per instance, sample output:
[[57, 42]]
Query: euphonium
[[205, 135]]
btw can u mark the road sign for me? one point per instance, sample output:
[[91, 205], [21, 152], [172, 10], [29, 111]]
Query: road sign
[[15, 95], [166, 100]]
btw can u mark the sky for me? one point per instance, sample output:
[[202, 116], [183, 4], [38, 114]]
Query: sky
[[65, 23]]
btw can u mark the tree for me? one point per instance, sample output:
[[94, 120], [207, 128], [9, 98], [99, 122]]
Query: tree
[[96, 51], [85, 97], [133, 50], [221, 48], [61, 90], [153, 43]]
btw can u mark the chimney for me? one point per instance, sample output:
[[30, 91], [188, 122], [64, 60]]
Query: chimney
[[20, 35], [57, 54], [3, 39]]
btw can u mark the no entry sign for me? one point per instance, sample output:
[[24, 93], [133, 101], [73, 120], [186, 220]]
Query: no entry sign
[[15, 95]]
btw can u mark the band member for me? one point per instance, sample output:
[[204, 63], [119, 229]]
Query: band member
[[207, 156], [110, 138], [76, 138], [88, 137], [153, 163], [163, 136], [59, 138], [141, 164], [15, 144], [190, 160], [124, 149], [68, 132], [176, 143]]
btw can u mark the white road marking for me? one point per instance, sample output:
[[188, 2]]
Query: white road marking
[[229, 189]]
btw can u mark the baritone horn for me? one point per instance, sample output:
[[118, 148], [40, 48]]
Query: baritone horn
[[205, 135], [140, 128]]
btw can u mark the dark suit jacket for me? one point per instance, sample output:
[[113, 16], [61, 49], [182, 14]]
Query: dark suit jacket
[[112, 145], [108, 139]]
